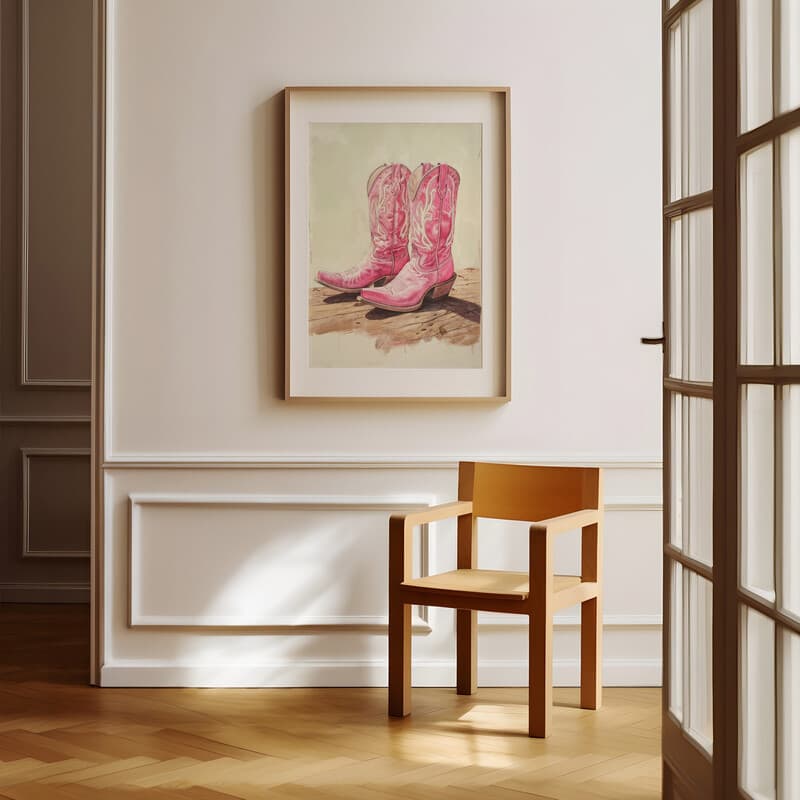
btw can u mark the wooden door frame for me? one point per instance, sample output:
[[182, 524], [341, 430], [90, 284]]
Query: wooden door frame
[[687, 767], [729, 377], [725, 632], [97, 572]]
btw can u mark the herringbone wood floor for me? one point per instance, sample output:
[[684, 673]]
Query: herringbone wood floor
[[62, 740]]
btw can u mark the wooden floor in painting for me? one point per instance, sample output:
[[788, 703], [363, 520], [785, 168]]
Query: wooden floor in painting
[[63, 740], [455, 319]]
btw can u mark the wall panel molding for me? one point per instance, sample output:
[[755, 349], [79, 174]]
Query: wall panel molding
[[200, 461], [26, 380], [29, 453], [337, 503], [653, 503], [572, 620], [26, 419], [44, 592]]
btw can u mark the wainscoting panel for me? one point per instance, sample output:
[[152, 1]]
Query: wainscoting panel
[[55, 502], [275, 575], [55, 329], [44, 468], [273, 571]]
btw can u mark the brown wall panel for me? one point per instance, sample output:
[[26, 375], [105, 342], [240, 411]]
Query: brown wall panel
[[45, 302], [15, 568], [55, 502], [56, 198]]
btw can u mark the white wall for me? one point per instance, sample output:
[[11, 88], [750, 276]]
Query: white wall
[[195, 332]]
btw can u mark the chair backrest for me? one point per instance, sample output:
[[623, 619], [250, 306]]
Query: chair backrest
[[528, 493]]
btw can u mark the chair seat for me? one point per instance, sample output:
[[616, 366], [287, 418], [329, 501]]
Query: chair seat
[[499, 585]]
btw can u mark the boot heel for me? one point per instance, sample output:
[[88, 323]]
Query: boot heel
[[443, 289]]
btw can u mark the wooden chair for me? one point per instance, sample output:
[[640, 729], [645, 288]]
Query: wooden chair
[[555, 500]]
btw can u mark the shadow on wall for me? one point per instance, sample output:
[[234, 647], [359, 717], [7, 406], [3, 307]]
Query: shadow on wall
[[268, 229], [304, 586]]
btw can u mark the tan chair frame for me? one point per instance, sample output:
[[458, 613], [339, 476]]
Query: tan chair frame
[[480, 486]]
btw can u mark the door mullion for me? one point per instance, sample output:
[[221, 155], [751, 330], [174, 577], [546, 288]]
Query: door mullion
[[688, 562], [768, 610], [690, 389], [782, 123], [692, 202], [726, 401]]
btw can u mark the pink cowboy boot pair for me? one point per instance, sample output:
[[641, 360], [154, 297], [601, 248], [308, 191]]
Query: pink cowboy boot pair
[[423, 202]]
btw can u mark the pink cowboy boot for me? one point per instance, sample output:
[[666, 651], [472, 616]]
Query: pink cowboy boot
[[387, 193], [430, 272]]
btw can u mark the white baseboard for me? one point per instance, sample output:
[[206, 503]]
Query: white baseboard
[[616, 672], [566, 672], [44, 593]]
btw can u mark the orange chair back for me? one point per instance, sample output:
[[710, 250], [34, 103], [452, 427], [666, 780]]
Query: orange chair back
[[527, 493]]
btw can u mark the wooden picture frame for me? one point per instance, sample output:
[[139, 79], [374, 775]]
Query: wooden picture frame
[[397, 203]]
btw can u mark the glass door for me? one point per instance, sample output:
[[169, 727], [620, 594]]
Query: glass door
[[689, 403], [731, 80], [768, 397]]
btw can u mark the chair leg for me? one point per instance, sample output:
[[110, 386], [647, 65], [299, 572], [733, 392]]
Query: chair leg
[[466, 652], [540, 673], [591, 653], [399, 659]]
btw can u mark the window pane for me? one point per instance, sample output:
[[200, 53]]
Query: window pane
[[757, 764], [676, 262], [701, 296], [755, 63], [790, 240], [700, 479], [691, 296], [676, 479], [789, 724], [690, 102], [756, 257], [691, 476], [700, 720], [758, 482], [699, 89], [676, 112], [676, 641], [790, 57], [791, 500]]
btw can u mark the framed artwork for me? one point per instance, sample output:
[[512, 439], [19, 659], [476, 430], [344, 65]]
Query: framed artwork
[[397, 243]]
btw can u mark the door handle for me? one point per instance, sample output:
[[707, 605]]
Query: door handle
[[654, 339]]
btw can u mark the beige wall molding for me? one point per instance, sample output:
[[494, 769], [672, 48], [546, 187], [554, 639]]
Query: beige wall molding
[[572, 620], [29, 453], [25, 378], [200, 461], [653, 503], [359, 622], [102, 144], [339, 504]]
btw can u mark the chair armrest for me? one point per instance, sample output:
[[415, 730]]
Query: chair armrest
[[567, 522], [540, 551], [401, 528], [444, 511]]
